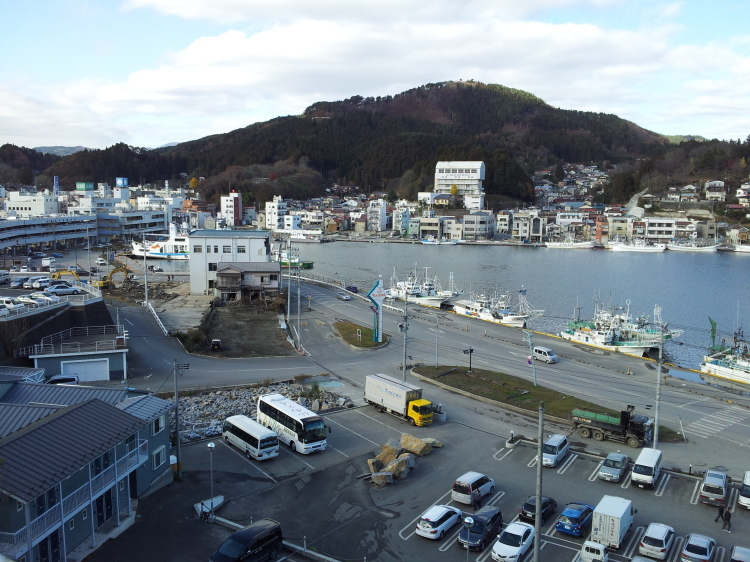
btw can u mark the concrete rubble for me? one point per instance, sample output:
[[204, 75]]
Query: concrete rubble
[[396, 460]]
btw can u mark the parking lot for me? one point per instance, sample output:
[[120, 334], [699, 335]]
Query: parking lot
[[322, 498]]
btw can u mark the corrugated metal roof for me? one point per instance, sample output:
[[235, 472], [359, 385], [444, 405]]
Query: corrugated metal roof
[[251, 266], [26, 374], [14, 416], [49, 450], [147, 408], [60, 395]]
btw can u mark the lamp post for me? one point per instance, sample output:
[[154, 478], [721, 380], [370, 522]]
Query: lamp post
[[211, 476], [468, 522], [469, 352]]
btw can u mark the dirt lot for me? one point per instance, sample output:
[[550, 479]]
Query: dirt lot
[[247, 330]]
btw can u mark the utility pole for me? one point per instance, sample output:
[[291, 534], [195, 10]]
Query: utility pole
[[177, 367], [539, 462], [529, 337], [299, 332], [404, 327], [657, 319], [437, 327], [289, 276], [145, 269]]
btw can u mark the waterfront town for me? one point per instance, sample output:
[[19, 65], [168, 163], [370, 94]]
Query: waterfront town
[[85, 441]]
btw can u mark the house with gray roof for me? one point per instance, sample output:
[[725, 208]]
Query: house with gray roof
[[73, 458]]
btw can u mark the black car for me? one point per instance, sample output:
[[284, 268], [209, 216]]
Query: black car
[[352, 289], [487, 524], [18, 282], [528, 509], [259, 542]]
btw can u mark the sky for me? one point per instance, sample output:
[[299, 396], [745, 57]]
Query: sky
[[150, 72]]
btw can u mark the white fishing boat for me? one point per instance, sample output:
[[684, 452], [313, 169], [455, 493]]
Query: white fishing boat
[[434, 241], [741, 248], [635, 245], [159, 246], [571, 243], [616, 329], [692, 245], [452, 290], [728, 362], [415, 290], [498, 309]]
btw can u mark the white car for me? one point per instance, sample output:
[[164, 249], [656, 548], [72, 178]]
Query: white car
[[28, 301], [698, 548], [657, 541], [12, 303], [49, 297], [437, 521], [101, 261], [341, 295], [63, 290], [514, 542]]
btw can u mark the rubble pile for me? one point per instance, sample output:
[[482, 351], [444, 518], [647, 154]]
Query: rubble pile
[[397, 459], [201, 415]]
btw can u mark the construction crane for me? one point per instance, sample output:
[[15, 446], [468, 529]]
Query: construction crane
[[106, 281]]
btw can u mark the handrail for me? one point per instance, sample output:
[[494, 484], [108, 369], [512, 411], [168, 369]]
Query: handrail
[[158, 320]]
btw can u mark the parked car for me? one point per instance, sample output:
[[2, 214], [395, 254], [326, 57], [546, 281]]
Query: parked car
[[715, 487], [62, 379], [57, 255], [101, 261], [698, 548], [260, 541], [657, 541], [614, 467], [3, 310], [341, 295], [52, 299], [15, 268], [28, 301], [29, 283], [12, 303], [18, 282], [352, 289], [575, 519], [24, 269], [437, 521], [514, 542], [528, 509], [63, 290], [739, 554], [41, 283], [487, 524]]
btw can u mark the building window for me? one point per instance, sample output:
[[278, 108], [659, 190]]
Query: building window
[[226, 249], [159, 457], [240, 249], [71, 524], [85, 514], [211, 283], [122, 485], [274, 277], [208, 249], [158, 425], [197, 249], [19, 506], [216, 249], [212, 266]]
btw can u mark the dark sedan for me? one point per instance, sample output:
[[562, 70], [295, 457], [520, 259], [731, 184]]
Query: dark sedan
[[528, 509]]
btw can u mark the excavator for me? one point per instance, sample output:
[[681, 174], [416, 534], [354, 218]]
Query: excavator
[[105, 282]]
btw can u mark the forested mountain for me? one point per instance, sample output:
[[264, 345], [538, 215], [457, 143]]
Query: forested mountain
[[393, 141], [19, 165], [59, 150]]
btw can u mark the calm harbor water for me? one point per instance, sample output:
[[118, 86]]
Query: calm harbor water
[[689, 287]]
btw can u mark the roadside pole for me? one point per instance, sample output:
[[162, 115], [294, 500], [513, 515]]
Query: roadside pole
[[538, 514]]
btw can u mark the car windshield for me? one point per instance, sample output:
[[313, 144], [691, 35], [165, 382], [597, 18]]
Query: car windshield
[[478, 527], [232, 548], [643, 469], [269, 442], [745, 490], [314, 431], [653, 541], [530, 505], [511, 539], [699, 549], [550, 450], [612, 463], [424, 410]]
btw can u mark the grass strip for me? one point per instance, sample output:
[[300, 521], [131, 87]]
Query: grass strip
[[351, 332]]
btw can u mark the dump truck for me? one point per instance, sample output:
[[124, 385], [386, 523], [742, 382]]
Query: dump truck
[[398, 398], [633, 429], [612, 521]]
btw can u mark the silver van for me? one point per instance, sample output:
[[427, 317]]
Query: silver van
[[744, 498], [545, 354], [715, 487], [4, 276], [647, 468], [465, 486], [554, 450]]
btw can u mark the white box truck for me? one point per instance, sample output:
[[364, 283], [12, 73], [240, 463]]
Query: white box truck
[[398, 398], [611, 522]]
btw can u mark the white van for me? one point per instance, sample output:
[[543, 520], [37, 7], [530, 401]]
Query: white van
[[744, 498], [554, 450], [545, 354], [471, 482], [4, 276], [647, 468]]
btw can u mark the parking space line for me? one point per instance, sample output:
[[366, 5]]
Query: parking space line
[[696, 493], [720, 551], [626, 483], [450, 541], [335, 449], [496, 498], [237, 452], [507, 452], [639, 532], [354, 432], [594, 475], [378, 421], [679, 541], [734, 495], [566, 464], [296, 456], [482, 557], [533, 461], [413, 521], [663, 484]]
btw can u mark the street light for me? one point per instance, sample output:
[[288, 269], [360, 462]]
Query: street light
[[211, 475], [468, 522], [469, 351]]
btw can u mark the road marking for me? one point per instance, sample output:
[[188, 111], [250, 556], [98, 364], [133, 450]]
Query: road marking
[[335, 449], [696, 493], [734, 495], [296, 455], [711, 424], [664, 479], [630, 551], [354, 432], [566, 464], [678, 543], [236, 451], [413, 521], [533, 461], [378, 421], [626, 482], [129, 322], [594, 475], [452, 539], [507, 452]]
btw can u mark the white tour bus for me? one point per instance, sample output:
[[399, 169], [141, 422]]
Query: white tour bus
[[248, 435], [298, 427]]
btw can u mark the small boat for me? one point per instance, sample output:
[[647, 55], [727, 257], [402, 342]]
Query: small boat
[[172, 247], [498, 309], [418, 291], [692, 245], [571, 243], [432, 240], [635, 245], [728, 362], [741, 248], [287, 261]]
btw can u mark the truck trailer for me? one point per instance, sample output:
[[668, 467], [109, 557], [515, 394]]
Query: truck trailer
[[634, 429], [611, 522], [398, 398]]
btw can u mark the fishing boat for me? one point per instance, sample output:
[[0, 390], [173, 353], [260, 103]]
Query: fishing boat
[[616, 329], [741, 248], [420, 291], [159, 246], [287, 261], [452, 290], [692, 245], [434, 241], [728, 362], [498, 309], [570, 243], [635, 245]]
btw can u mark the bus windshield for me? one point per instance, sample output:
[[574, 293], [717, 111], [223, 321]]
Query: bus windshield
[[314, 431], [269, 442]]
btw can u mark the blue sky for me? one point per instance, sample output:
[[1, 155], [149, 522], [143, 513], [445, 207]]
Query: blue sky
[[149, 72]]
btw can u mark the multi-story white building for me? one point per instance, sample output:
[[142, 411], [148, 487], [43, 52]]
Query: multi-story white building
[[231, 209], [400, 218], [276, 210], [468, 177], [377, 219], [479, 225], [232, 263], [23, 204]]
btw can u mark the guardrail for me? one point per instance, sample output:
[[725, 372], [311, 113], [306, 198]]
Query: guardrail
[[158, 320]]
